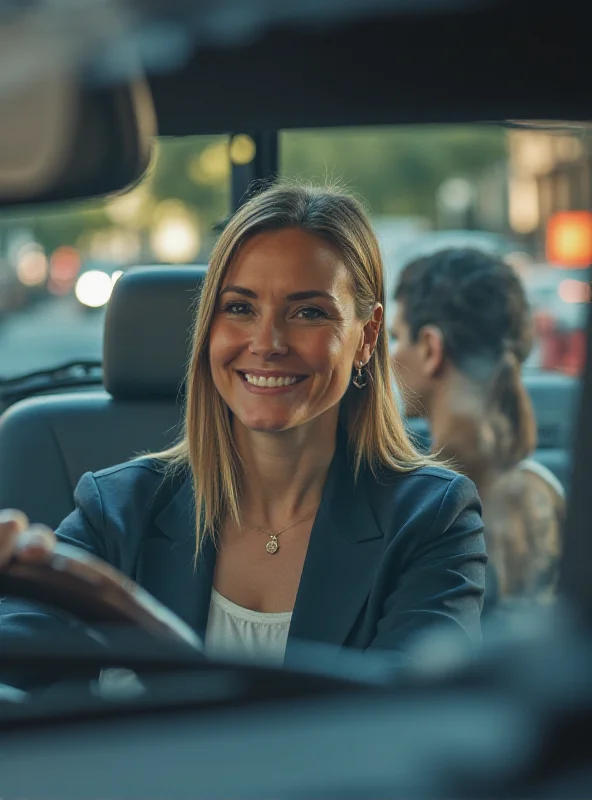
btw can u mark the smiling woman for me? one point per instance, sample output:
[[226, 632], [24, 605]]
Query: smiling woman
[[296, 325], [316, 517]]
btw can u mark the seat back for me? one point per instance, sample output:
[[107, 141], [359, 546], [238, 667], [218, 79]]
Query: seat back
[[47, 443], [554, 397]]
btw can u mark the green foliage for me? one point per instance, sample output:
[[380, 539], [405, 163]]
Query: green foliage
[[396, 170]]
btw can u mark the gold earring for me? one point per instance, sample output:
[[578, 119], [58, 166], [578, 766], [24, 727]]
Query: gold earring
[[361, 379]]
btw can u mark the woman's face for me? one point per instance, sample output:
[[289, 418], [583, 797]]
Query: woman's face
[[285, 333]]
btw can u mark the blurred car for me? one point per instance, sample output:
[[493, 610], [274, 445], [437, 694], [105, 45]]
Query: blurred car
[[559, 300], [12, 293], [23, 269]]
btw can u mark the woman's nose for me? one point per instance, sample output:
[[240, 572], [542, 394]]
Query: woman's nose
[[269, 339]]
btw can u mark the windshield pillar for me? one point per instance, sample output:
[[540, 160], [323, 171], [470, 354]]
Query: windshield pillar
[[254, 159]]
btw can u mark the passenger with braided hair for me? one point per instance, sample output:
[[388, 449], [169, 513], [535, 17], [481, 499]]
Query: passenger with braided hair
[[463, 329]]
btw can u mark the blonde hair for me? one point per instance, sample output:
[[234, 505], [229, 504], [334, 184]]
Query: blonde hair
[[375, 431]]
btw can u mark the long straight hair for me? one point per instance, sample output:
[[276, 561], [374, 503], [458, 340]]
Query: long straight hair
[[375, 431]]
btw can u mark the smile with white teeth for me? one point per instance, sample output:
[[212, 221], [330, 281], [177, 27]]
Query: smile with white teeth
[[260, 380]]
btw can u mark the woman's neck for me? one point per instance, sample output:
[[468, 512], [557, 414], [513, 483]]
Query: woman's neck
[[461, 432], [284, 473]]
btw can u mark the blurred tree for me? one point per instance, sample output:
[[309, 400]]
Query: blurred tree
[[396, 170]]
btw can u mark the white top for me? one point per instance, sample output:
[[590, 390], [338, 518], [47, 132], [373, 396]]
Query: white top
[[529, 465], [237, 632]]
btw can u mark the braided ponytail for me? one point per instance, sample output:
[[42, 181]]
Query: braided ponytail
[[511, 413]]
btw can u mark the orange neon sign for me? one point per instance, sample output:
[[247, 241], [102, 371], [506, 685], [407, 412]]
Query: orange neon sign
[[569, 239]]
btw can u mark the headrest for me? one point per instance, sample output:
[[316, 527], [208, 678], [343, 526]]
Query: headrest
[[148, 331]]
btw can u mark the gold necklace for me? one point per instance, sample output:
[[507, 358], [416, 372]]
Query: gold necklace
[[272, 545]]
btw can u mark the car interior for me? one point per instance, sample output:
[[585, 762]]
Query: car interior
[[508, 717], [125, 117], [50, 441]]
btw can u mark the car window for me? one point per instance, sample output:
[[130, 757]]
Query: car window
[[58, 267]]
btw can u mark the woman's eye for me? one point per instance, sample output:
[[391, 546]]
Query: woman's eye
[[311, 313], [237, 308]]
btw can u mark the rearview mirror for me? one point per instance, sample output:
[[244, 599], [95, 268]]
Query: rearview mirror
[[62, 140]]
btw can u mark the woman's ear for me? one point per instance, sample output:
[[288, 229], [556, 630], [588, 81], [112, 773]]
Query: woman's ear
[[431, 348], [370, 334]]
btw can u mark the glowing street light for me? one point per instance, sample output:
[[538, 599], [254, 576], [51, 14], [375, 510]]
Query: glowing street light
[[242, 149], [93, 288], [175, 239]]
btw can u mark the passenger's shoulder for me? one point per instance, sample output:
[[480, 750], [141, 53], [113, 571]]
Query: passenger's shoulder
[[526, 489], [513, 484]]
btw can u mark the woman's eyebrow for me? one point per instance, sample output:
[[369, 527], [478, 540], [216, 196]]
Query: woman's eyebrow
[[309, 294], [239, 290]]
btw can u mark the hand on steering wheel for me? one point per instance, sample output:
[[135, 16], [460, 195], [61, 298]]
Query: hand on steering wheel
[[35, 566], [24, 542]]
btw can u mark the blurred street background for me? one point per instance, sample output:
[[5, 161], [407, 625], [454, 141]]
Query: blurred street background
[[48, 334], [523, 194]]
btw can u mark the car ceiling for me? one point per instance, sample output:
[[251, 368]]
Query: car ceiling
[[434, 68], [229, 65]]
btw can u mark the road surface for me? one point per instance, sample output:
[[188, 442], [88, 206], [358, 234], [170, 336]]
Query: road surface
[[49, 334]]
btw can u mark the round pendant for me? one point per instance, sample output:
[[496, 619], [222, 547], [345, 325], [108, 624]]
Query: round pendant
[[272, 546]]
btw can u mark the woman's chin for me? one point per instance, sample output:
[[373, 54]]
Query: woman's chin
[[267, 425]]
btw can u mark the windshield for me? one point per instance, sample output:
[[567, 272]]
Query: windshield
[[508, 192]]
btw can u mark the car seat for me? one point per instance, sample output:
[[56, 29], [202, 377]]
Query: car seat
[[48, 442]]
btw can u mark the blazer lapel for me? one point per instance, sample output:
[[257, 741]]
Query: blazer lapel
[[166, 566], [345, 547]]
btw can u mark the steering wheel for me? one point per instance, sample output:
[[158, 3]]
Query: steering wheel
[[84, 586]]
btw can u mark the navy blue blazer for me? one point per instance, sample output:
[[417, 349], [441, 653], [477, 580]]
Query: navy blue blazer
[[387, 558]]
